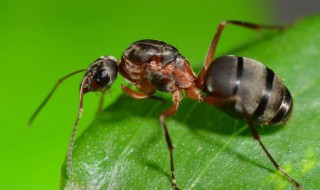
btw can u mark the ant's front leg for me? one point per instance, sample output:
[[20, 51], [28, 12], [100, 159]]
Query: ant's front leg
[[139, 95]]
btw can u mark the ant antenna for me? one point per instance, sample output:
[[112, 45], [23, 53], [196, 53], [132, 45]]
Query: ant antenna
[[80, 111], [50, 94]]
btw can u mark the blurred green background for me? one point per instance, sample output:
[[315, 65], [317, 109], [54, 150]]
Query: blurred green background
[[41, 41]]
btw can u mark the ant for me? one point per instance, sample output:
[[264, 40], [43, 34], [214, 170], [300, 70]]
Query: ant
[[225, 82]]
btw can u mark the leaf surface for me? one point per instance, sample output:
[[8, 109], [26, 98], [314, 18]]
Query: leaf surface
[[124, 147]]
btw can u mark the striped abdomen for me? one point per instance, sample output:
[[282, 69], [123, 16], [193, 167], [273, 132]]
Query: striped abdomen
[[263, 94]]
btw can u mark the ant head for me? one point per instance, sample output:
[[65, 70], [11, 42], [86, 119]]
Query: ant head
[[101, 74]]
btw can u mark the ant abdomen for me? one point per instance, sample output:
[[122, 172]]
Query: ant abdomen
[[153, 65], [262, 93]]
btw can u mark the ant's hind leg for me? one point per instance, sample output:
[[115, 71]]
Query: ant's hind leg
[[214, 43], [256, 137], [217, 101], [212, 49]]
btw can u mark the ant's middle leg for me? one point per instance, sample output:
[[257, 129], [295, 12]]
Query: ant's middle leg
[[176, 97]]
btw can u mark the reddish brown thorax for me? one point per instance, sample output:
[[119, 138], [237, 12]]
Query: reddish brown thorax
[[153, 65]]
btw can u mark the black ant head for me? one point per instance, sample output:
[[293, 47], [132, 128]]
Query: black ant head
[[101, 74]]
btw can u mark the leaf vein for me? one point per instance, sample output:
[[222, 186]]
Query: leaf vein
[[209, 164]]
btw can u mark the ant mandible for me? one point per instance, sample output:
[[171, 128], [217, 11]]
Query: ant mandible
[[152, 65]]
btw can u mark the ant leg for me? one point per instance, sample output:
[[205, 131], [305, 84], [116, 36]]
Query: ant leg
[[129, 92], [215, 40], [193, 93], [139, 95], [254, 132], [176, 98], [101, 102], [257, 138], [212, 49], [157, 98], [134, 94], [34, 115]]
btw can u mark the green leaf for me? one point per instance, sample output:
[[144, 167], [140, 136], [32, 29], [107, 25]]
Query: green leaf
[[124, 147]]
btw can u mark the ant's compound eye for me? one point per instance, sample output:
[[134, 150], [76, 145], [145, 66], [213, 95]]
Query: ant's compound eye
[[103, 72]]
